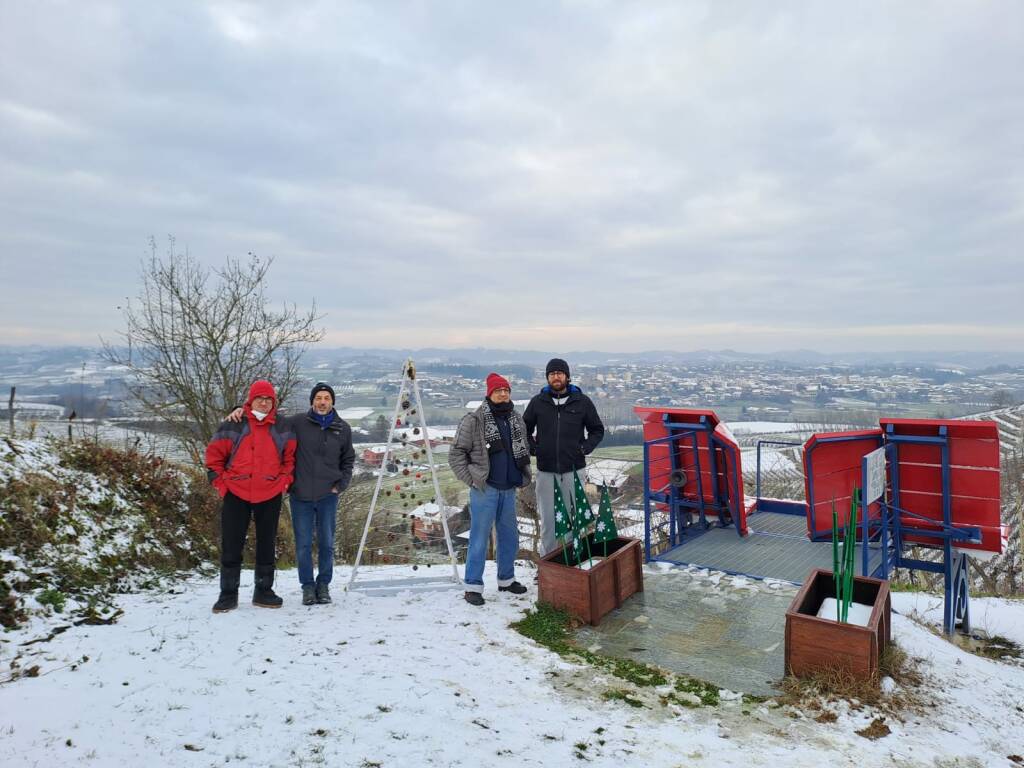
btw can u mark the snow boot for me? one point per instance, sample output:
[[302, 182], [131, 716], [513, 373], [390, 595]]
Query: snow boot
[[228, 600], [515, 588], [474, 598], [323, 593], [262, 594], [308, 594]]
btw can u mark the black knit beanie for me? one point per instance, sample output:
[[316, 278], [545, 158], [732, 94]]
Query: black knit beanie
[[557, 364], [321, 387]]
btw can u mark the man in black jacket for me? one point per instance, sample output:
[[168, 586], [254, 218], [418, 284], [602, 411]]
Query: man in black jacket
[[562, 426], [324, 459], [323, 469]]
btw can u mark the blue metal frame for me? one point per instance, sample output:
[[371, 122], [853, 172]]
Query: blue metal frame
[[775, 505], [954, 565], [677, 504], [888, 532]]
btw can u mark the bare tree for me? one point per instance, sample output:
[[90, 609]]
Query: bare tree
[[194, 345]]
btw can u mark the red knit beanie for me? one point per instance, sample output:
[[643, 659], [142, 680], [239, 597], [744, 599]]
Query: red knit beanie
[[263, 388], [494, 381]]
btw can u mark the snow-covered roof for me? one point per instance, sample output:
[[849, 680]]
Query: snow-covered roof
[[355, 413], [430, 509]]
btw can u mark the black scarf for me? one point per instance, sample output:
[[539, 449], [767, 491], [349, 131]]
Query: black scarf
[[520, 450]]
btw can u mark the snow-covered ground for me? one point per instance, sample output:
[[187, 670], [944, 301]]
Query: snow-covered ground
[[417, 680]]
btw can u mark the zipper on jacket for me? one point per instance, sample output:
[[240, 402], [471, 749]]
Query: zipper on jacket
[[558, 438]]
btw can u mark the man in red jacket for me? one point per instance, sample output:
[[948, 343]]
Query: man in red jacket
[[251, 464]]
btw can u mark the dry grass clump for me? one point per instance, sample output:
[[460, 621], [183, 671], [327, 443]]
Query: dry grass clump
[[813, 693]]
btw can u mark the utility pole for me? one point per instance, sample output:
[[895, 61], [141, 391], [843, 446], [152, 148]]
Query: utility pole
[[10, 410]]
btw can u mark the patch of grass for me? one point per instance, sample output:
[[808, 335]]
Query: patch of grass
[[906, 586], [552, 628], [994, 647], [621, 694], [52, 597], [547, 626], [707, 693]]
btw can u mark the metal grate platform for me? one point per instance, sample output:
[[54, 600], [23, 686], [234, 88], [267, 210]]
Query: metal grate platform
[[776, 548]]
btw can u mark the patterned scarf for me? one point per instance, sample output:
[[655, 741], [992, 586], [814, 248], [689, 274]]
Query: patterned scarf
[[492, 436]]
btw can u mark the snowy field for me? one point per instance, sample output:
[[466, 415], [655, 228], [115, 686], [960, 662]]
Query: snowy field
[[767, 427], [428, 680], [772, 460]]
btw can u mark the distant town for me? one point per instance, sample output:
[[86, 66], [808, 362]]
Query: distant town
[[54, 383]]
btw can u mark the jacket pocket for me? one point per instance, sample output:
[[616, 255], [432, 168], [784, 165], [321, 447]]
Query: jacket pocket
[[478, 481]]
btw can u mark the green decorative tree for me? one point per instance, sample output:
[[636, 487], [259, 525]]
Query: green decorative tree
[[565, 528], [605, 529], [583, 518]]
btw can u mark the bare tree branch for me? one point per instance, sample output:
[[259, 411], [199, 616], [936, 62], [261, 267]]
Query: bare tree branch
[[195, 344]]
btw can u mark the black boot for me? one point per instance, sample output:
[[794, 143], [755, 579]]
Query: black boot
[[228, 600], [262, 595]]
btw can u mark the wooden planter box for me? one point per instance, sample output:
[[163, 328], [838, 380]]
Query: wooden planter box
[[814, 644], [590, 594]]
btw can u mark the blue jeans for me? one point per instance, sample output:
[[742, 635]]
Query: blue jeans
[[491, 509], [322, 515]]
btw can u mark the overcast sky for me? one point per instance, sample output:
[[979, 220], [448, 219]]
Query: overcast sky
[[616, 176]]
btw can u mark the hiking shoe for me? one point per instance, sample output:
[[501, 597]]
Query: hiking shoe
[[308, 594], [515, 588], [323, 594], [227, 601], [474, 598]]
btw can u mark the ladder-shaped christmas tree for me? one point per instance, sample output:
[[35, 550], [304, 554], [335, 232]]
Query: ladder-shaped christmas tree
[[406, 532]]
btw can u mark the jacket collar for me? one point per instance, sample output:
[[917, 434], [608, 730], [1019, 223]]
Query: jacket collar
[[570, 391], [335, 422]]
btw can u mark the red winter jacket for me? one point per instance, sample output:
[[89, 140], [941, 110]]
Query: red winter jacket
[[255, 460]]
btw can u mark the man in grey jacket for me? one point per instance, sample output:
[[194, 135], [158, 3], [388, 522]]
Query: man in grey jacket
[[491, 455], [324, 458]]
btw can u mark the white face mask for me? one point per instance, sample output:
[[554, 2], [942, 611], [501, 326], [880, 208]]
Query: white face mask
[[260, 415]]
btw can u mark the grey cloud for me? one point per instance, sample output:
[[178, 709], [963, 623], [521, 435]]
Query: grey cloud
[[754, 173]]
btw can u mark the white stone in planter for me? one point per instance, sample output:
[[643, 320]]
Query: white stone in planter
[[859, 613]]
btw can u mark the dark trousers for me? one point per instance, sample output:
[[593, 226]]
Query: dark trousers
[[234, 525]]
